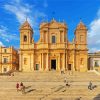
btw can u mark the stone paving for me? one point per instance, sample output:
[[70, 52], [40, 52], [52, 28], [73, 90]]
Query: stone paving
[[50, 86]]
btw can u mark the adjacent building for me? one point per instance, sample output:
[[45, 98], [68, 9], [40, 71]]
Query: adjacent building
[[53, 51], [8, 59], [94, 61]]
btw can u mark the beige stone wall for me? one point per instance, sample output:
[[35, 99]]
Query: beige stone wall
[[92, 59], [68, 55], [11, 56]]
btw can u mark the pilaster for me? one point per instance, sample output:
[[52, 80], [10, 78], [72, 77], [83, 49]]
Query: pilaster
[[42, 62], [47, 61]]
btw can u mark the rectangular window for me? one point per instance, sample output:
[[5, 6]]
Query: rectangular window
[[45, 37], [25, 38], [5, 50], [4, 69], [53, 39], [82, 61], [5, 60], [96, 63], [25, 61], [37, 66], [81, 38]]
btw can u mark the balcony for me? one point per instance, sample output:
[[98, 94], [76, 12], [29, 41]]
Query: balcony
[[57, 46], [41, 46], [50, 46]]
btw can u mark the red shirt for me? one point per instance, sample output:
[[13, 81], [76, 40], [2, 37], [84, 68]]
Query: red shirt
[[17, 85]]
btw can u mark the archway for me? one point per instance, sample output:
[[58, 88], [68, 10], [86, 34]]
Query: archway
[[53, 64]]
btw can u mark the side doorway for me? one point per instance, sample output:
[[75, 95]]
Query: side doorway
[[37, 67], [69, 67], [53, 64]]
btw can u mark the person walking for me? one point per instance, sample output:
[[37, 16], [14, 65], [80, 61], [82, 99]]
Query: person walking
[[21, 86], [65, 80], [17, 87], [23, 89], [90, 85]]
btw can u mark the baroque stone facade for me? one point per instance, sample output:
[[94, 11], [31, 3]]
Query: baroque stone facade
[[9, 59], [94, 61], [53, 51]]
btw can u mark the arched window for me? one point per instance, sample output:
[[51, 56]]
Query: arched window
[[53, 39], [25, 38]]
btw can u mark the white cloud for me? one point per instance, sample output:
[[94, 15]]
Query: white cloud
[[1, 44], [22, 10], [6, 36], [94, 34], [94, 49]]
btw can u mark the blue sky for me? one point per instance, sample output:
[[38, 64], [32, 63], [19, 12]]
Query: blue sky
[[14, 12]]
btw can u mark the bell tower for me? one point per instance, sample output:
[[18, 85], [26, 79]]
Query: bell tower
[[81, 47], [26, 34], [81, 36]]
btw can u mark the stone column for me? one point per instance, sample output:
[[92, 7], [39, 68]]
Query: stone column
[[63, 37], [59, 63], [91, 64], [33, 65], [42, 62], [32, 62], [11, 62], [59, 39], [78, 65], [20, 62], [46, 62], [40, 67], [73, 62], [49, 61], [64, 62]]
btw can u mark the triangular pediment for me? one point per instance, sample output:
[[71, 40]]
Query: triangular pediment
[[53, 24]]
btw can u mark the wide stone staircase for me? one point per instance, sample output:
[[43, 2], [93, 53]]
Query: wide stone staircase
[[50, 86]]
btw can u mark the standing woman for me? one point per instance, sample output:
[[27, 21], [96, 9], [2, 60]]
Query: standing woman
[[21, 86], [17, 87]]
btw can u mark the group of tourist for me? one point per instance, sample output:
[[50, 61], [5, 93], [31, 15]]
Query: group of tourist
[[63, 72], [20, 87], [66, 82], [91, 86]]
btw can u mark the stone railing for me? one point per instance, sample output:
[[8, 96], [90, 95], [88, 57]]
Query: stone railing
[[50, 46]]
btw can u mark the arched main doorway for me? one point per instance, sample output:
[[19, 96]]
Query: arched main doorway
[[69, 67], [53, 64]]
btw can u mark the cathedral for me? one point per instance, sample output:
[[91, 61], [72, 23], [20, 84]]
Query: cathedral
[[53, 51]]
